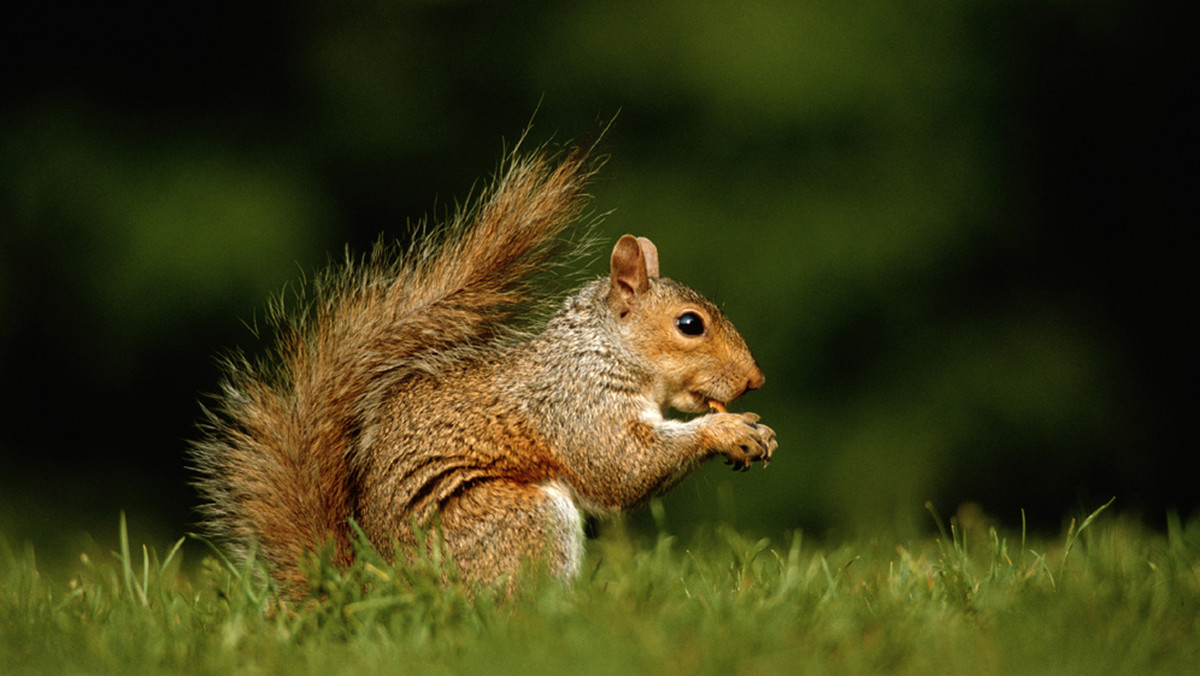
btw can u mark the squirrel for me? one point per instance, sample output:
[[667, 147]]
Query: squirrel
[[410, 391]]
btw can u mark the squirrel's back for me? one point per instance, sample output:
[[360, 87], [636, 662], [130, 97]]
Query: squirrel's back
[[276, 463]]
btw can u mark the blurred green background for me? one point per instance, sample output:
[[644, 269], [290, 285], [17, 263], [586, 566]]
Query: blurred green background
[[950, 231]]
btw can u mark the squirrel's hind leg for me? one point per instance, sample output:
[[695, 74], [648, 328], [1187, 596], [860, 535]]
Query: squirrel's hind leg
[[502, 527]]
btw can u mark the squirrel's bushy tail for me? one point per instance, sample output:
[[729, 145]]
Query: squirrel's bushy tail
[[276, 463]]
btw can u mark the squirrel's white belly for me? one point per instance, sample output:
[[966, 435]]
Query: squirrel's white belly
[[567, 523]]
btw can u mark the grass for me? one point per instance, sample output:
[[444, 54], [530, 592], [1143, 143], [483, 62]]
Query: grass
[[1108, 596]]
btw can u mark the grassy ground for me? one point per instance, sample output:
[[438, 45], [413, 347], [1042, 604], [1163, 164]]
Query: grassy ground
[[1108, 596]]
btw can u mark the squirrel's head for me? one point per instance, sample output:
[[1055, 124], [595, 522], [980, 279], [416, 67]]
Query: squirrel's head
[[697, 356]]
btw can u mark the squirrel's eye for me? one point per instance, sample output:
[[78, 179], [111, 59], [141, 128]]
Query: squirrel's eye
[[690, 324]]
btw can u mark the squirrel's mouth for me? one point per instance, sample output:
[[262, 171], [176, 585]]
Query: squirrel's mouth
[[694, 401]]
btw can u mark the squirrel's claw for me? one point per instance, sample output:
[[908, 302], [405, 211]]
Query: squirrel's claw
[[741, 439]]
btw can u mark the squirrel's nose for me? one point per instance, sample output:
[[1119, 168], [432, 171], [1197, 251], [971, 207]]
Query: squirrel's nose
[[756, 379]]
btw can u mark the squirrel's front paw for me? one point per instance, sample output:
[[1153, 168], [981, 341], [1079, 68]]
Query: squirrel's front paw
[[741, 439]]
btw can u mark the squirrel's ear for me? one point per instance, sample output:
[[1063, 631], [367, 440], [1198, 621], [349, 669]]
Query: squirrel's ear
[[631, 272], [650, 253]]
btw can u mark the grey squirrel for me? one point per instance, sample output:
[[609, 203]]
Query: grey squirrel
[[408, 389]]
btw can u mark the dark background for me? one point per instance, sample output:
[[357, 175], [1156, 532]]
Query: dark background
[[953, 232]]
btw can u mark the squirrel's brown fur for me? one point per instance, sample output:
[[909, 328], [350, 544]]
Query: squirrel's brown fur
[[405, 390]]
